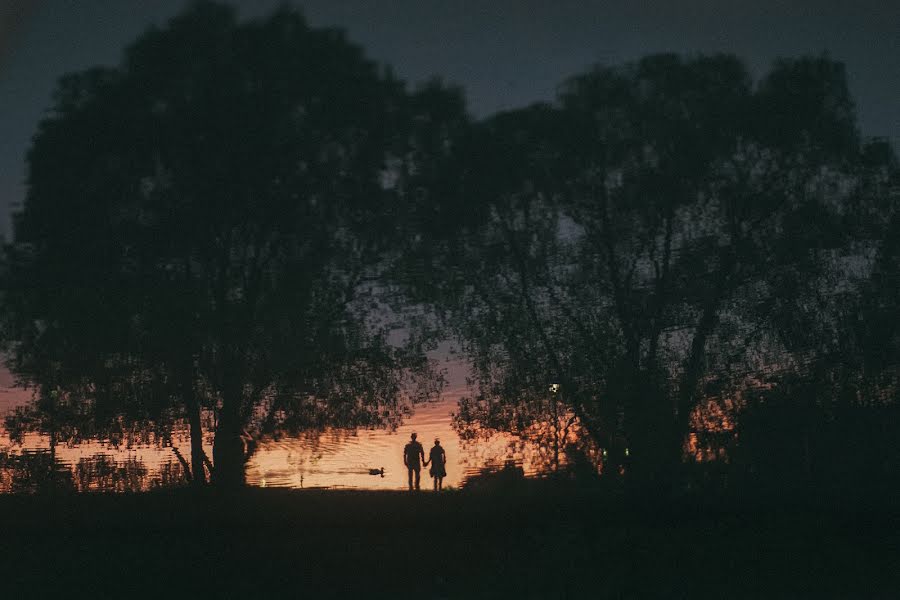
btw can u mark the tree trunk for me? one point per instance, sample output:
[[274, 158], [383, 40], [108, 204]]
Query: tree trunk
[[197, 454], [694, 368], [653, 455], [229, 450]]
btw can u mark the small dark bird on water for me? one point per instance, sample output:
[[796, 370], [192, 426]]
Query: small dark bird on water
[[377, 471]]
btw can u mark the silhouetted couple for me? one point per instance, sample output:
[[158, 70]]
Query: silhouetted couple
[[413, 452]]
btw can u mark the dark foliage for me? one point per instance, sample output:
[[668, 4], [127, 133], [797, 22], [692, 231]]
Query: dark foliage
[[234, 220]]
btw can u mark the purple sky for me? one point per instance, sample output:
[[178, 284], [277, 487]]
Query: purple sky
[[506, 53]]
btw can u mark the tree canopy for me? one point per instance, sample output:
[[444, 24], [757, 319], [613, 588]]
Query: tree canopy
[[212, 216], [243, 218], [670, 241]]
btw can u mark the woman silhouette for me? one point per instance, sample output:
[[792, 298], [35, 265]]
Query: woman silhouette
[[438, 459]]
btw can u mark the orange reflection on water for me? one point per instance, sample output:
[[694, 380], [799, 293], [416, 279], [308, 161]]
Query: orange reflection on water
[[90, 466], [334, 459], [338, 458]]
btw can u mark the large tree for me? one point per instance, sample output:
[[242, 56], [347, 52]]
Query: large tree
[[645, 243], [209, 219]]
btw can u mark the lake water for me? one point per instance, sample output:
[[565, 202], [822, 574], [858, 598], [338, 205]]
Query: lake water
[[331, 459], [343, 459]]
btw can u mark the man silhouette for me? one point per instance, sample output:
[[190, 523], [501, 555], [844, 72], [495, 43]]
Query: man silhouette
[[412, 453]]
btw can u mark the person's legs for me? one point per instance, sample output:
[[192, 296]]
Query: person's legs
[[439, 483], [436, 479], [418, 472], [410, 470]]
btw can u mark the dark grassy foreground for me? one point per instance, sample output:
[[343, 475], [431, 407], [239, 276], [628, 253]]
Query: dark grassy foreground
[[535, 541]]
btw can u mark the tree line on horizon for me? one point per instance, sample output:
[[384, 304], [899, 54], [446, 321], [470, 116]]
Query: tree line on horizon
[[239, 218]]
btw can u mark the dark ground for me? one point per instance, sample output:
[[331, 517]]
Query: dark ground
[[539, 541]]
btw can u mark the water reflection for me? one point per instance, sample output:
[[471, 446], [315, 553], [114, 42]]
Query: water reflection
[[338, 458], [334, 458], [141, 459]]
